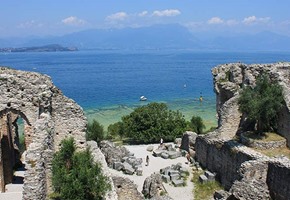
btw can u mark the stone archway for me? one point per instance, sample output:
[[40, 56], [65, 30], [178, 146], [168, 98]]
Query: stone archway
[[9, 144], [48, 117]]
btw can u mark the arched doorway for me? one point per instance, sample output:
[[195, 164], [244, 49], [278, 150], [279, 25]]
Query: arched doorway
[[12, 141]]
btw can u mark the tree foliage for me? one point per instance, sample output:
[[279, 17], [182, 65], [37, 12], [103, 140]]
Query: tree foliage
[[95, 131], [75, 176], [116, 129], [196, 124], [151, 122], [262, 103]]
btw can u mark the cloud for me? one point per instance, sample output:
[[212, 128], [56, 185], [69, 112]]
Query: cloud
[[142, 14], [254, 20], [166, 13], [73, 21], [232, 22], [30, 24], [215, 20], [119, 16]]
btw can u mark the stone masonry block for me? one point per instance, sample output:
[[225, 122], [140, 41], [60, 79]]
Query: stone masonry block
[[210, 176], [203, 179], [164, 155], [165, 178], [178, 183]]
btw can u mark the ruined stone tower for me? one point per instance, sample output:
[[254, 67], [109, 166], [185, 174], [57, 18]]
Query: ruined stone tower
[[48, 117]]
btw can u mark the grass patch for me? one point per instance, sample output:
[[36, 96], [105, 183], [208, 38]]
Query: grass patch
[[206, 190], [264, 137], [275, 152]]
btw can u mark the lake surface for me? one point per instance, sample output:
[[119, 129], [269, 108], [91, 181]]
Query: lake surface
[[108, 84]]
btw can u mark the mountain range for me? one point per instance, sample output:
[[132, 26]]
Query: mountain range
[[170, 36]]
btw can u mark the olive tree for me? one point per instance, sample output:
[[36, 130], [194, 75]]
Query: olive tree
[[262, 103]]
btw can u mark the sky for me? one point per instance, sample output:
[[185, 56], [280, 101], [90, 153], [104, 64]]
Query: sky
[[58, 17]]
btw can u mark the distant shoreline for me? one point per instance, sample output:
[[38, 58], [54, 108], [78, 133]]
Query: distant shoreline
[[46, 48]]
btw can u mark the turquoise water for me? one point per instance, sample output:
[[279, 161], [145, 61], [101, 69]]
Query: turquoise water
[[108, 84]]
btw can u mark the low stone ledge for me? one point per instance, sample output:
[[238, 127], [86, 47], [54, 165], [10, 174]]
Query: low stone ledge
[[262, 145]]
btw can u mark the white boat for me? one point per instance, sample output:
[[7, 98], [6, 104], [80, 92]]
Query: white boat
[[143, 98]]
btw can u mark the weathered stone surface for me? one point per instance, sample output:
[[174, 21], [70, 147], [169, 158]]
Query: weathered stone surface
[[100, 158], [278, 178], [118, 166], [188, 140], [113, 153], [174, 154], [178, 183], [173, 172], [164, 170], [153, 186], [177, 141], [165, 178], [128, 169], [150, 148], [183, 170], [210, 176], [244, 172], [263, 145], [157, 152], [139, 171], [126, 189], [174, 176], [228, 80], [202, 178], [164, 155], [221, 195], [48, 117]]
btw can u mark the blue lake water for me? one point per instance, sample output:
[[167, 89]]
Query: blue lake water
[[109, 84]]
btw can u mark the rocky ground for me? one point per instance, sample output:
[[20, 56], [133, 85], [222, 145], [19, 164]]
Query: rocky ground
[[155, 164]]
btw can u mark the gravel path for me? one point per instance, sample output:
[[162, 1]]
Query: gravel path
[[155, 164]]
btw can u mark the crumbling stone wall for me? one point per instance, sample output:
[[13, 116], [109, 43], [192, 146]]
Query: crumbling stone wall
[[48, 118], [223, 157], [278, 179], [228, 81], [245, 173]]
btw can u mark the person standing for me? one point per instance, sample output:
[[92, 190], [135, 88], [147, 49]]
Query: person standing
[[147, 160]]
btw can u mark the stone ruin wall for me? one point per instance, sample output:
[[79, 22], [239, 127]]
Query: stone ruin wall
[[245, 173], [48, 118], [242, 171], [228, 80], [223, 157]]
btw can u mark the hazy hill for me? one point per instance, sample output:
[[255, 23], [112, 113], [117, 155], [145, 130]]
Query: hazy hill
[[172, 36]]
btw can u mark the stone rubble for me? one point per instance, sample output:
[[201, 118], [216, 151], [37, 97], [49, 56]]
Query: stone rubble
[[167, 151], [174, 174], [119, 158]]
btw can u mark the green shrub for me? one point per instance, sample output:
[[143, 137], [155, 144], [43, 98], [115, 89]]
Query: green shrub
[[149, 123], [116, 129], [75, 176], [196, 124], [95, 131], [262, 103]]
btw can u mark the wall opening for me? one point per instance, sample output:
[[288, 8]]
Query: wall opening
[[12, 138]]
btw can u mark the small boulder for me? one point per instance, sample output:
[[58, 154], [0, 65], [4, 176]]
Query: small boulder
[[210, 176], [178, 183], [203, 179], [164, 155], [150, 148]]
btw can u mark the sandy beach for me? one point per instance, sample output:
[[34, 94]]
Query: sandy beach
[[155, 164]]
